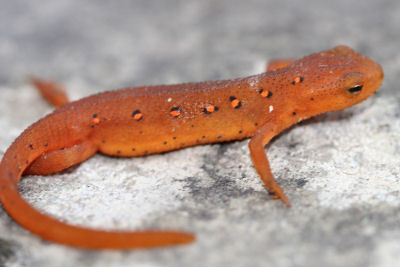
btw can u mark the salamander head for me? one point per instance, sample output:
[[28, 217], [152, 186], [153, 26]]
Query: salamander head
[[333, 80]]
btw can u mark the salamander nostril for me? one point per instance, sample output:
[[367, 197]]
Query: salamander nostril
[[355, 89]]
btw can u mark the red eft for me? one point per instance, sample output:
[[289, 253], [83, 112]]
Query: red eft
[[154, 119]]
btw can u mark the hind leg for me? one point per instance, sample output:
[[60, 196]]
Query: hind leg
[[59, 160], [52, 92]]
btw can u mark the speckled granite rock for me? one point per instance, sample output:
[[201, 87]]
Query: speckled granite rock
[[340, 170]]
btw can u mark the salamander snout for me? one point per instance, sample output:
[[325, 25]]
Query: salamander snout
[[372, 78], [337, 78], [361, 80]]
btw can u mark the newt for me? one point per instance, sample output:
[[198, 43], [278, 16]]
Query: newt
[[154, 119]]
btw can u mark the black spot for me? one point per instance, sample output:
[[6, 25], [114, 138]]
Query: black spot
[[294, 113], [46, 145], [219, 137], [206, 111], [192, 126], [174, 137], [235, 105], [256, 124], [312, 98], [240, 131], [268, 95], [133, 149], [301, 80], [197, 141], [174, 113], [165, 142], [26, 161], [118, 151], [95, 116], [176, 109], [136, 112], [30, 146], [203, 136], [92, 126]]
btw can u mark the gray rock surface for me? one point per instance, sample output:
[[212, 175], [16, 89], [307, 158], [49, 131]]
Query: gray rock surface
[[341, 170]]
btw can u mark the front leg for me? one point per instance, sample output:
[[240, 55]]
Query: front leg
[[59, 160], [278, 64], [256, 145]]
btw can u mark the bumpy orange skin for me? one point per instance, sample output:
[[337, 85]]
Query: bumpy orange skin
[[148, 120]]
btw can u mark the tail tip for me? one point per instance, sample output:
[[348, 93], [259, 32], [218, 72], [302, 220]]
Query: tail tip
[[185, 238]]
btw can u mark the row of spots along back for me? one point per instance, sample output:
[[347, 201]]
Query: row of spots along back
[[176, 111]]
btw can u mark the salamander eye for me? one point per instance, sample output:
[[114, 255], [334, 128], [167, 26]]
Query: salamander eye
[[352, 83], [355, 89]]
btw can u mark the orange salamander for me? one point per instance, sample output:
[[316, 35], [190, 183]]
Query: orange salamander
[[154, 119]]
